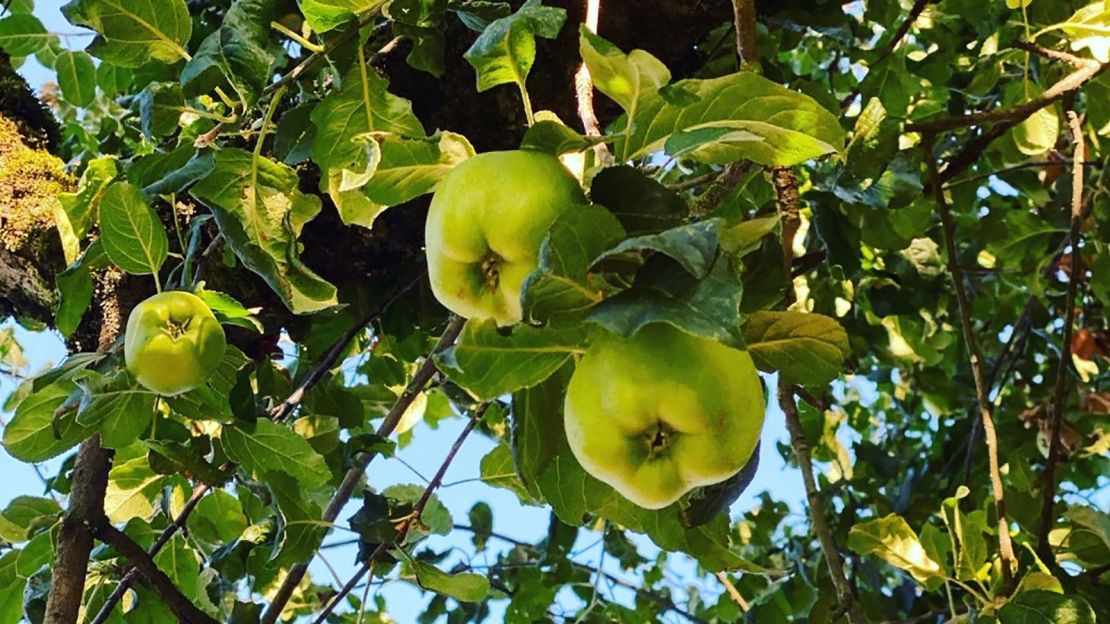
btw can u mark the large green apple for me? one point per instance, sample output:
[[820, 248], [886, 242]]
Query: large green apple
[[485, 226], [173, 343], [663, 412]]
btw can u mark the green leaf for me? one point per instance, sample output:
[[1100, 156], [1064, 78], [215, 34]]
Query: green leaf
[[750, 117], [641, 204], [164, 173], [361, 105], [270, 447], [893, 540], [133, 237], [1045, 607], [22, 35], [160, 107], [488, 364], [181, 563], [497, 470], [537, 428], [554, 137], [37, 553], [116, 406], [410, 168], [506, 49], [1039, 131], [260, 212], [1089, 28], [300, 530], [421, 21], [236, 54], [76, 77], [626, 78], [708, 307], [35, 434], [217, 519], [229, 311], [28, 515], [693, 246], [80, 208], [132, 491], [133, 32], [805, 348], [562, 282], [464, 586], [113, 80], [11, 602], [746, 236], [325, 15], [75, 289]]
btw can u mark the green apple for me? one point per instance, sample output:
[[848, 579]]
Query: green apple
[[485, 226], [173, 343], [663, 412]]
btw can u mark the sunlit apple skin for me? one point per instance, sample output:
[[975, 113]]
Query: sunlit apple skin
[[173, 343], [485, 226], [663, 412]]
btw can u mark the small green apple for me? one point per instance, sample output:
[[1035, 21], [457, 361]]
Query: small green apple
[[485, 226], [662, 412], [173, 343]]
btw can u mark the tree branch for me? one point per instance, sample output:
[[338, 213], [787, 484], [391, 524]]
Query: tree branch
[[185, 610], [725, 182], [584, 89], [1068, 85], [816, 510], [128, 579], [1048, 516], [915, 12], [361, 461], [1005, 546], [747, 48], [406, 524], [282, 411], [1053, 55], [90, 482], [785, 183]]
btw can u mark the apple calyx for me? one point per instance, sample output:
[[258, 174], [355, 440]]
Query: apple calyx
[[491, 269], [658, 439]]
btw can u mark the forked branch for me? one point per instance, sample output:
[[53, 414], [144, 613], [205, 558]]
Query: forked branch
[[1005, 545], [1048, 515]]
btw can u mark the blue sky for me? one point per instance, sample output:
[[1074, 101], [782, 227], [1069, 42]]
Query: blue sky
[[423, 455]]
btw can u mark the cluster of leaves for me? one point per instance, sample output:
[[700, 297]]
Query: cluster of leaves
[[231, 125]]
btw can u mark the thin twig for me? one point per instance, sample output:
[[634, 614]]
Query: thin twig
[[716, 193], [904, 28], [1048, 516], [1054, 55], [695, 181], [818, 520], [181, 607], [282, 411], [1066, 86], [660, 600], [361, 461], [1032, 164], [1005, 546], [733, 593], [405, 525], [128, 579], [747, 41], [786, 189], [317, 57], [584, 90]]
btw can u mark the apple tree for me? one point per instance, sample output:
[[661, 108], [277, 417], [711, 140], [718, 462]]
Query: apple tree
[[618, 243]]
